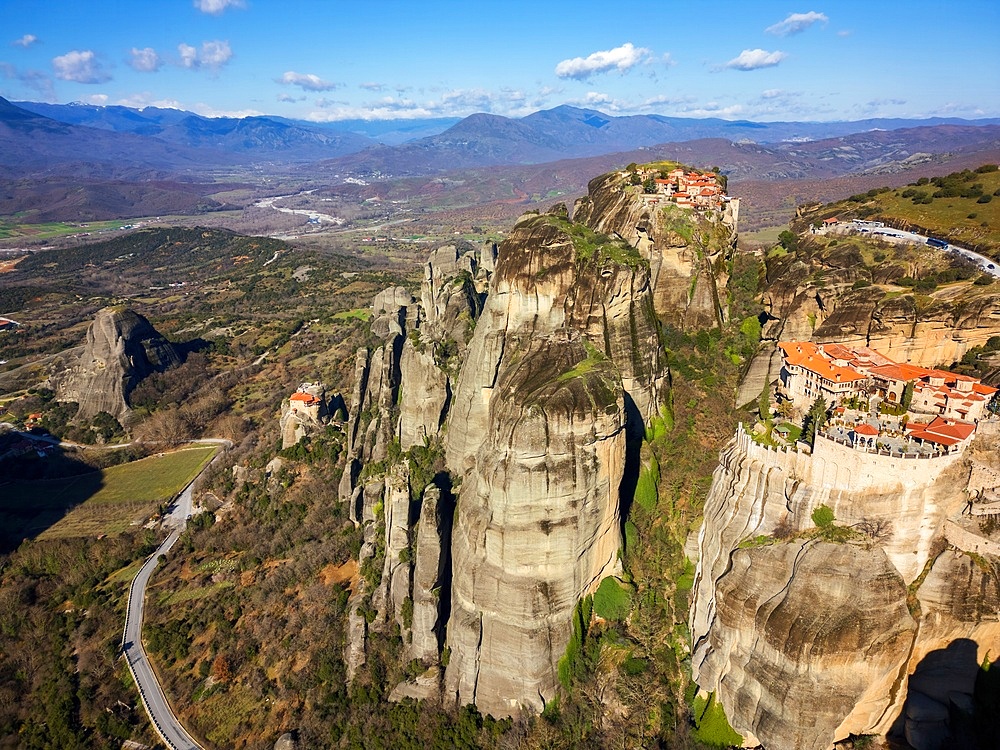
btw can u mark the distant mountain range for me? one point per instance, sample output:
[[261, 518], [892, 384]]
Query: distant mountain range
[[82, 162], [41, 136]]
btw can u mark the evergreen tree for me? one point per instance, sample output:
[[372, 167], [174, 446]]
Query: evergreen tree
[[814, 421]]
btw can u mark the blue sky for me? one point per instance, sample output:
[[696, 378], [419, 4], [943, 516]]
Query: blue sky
[[334, 59]]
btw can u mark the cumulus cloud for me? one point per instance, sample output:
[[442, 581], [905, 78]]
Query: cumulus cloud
[[212, 55], [99, 99], [144, 60], [217, 7], [753, 59], [796, 23], [447, 103], [288, 98], [25, 41], [81, 66], [622, 58], [306, 81]]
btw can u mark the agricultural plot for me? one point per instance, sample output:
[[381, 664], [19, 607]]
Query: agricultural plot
[[101, 502]]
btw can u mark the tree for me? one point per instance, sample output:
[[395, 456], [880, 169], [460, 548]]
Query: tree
[[815, 419], [789, 240], [907, 395], [823, 516]]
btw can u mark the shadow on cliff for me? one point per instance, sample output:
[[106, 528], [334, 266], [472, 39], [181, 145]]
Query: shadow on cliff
[[635, 431], [41, 483], [952, 702], [446, 519]]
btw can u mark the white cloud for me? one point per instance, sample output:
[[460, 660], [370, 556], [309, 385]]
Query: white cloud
[[621, 58], [753, 59], [306, 81], [288, 98], [25, 41], [99, 99], [216, 7], [212, 55], [372, 86], [714, 109], [144, 60], [189, 55], [796, 23], [81, 66], [449, 103], [771, 94]]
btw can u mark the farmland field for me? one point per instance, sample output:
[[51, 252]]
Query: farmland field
[[101, 502]]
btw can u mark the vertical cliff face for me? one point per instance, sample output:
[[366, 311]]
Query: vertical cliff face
[[806, 642], [686, 250], [554, 277], [122, 348], [537, 524], [544, 381]]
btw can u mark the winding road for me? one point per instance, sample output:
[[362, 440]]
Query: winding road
[[164, 721]]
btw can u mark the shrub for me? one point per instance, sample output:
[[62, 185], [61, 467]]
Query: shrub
[[823, 516], [984, 199]]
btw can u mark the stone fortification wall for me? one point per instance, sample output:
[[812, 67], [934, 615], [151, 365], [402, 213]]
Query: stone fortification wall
[[969, 541], [841, 467]]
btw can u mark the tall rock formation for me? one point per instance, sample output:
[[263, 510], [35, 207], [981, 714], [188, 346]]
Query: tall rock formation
[[686, 249], [121, 348], [537, 525], [532, 369]]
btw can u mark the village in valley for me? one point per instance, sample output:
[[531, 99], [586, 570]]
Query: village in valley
[[856, 396]]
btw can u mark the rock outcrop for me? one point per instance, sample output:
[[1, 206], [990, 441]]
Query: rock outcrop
[[121, 349], [525, 374], [807, 642], [686, 249], [537, 525], [306, 412]]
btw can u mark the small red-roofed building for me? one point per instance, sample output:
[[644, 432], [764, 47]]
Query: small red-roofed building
[[865, 435]]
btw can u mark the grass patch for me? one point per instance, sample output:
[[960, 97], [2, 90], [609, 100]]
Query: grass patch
[[361, 313], [612, 601], [711, 725], [193, 594], [645, 489], [583, 368], [102, 502]]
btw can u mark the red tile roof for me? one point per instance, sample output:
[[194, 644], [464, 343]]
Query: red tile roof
[[865, 429], [806, 355], [307, 398]]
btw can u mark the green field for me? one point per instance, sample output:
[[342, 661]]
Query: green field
[[11, 228], [102, 502]]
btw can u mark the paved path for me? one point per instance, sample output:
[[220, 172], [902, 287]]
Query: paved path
[[167, 726]]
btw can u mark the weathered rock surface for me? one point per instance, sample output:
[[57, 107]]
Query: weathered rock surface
[[961, 599], [806, 643], [544, 285], [817, 301], [805, 634], [122, 348], [432, 552], [537, 525], [683, 247]]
